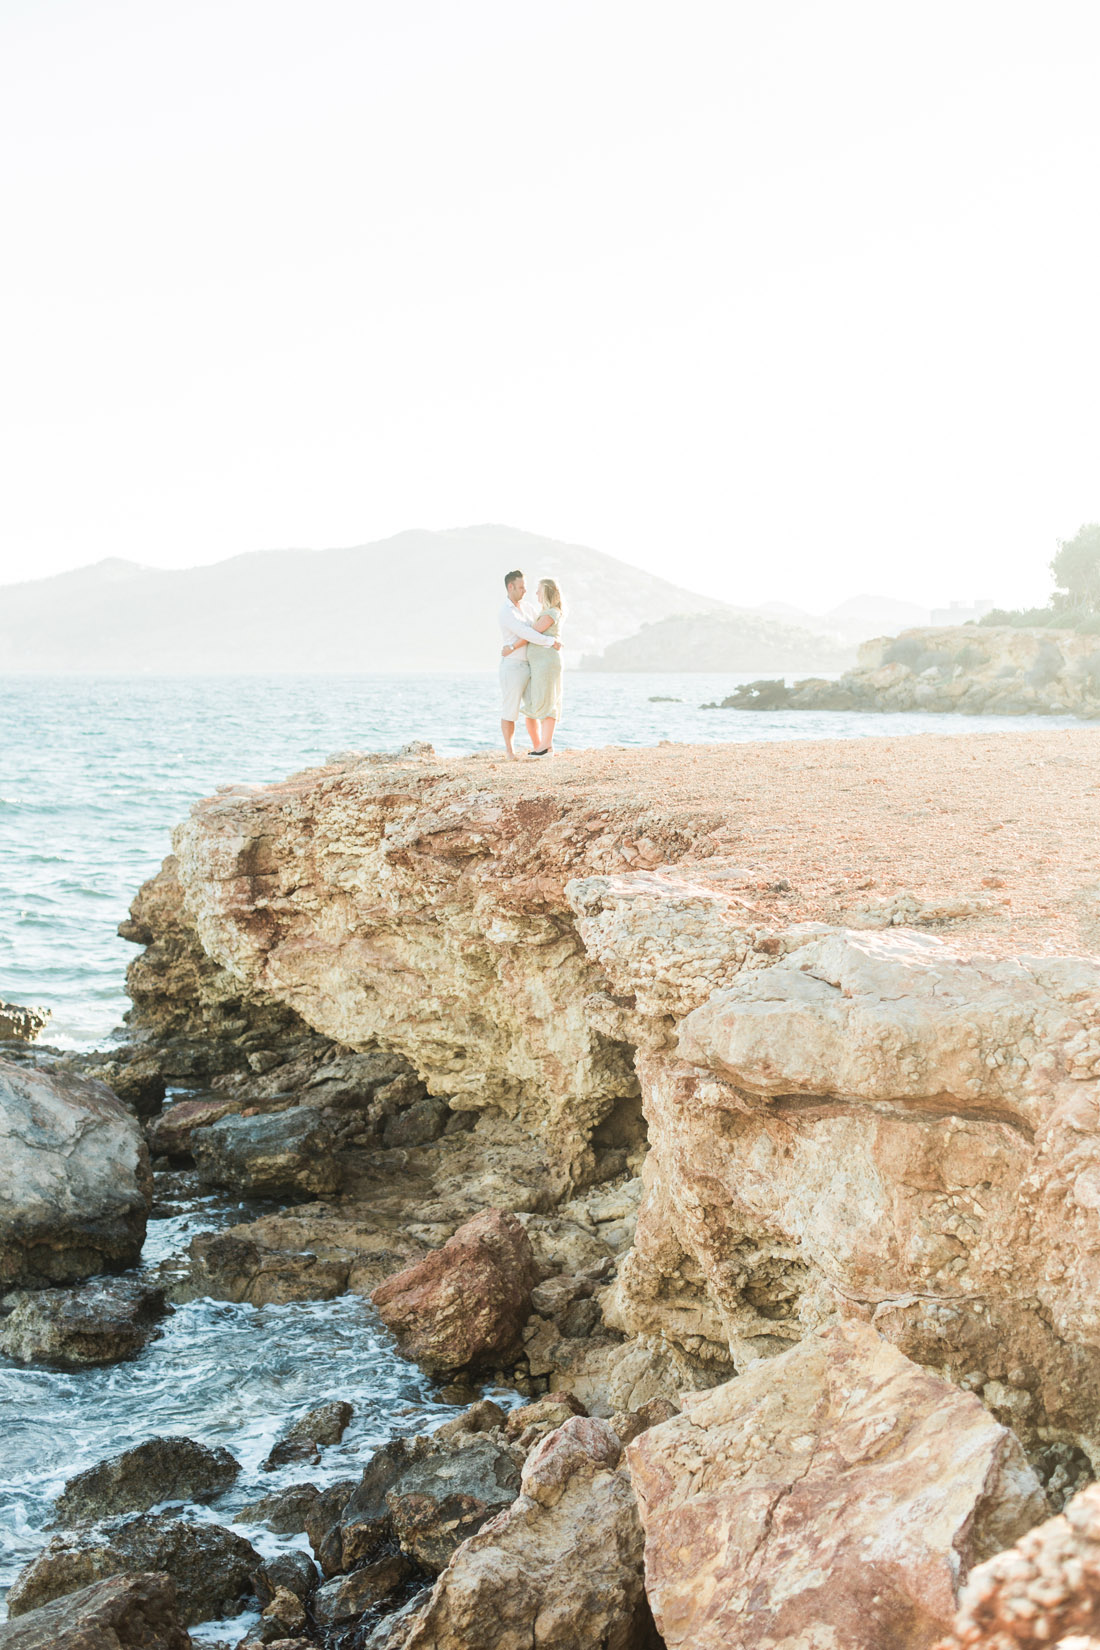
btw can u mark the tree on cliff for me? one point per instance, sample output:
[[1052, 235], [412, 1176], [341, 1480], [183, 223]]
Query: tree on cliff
[[1076, 570], [1075, 604]]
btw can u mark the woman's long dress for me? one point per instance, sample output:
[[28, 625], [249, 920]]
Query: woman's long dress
[[543, 697]]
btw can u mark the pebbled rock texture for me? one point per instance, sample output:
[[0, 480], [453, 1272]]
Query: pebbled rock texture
[[19, 1024], [847, 1115], [834, 1495], [464, 1306], [212, 1567], [101, 1322], [561, 1567], [160, 1469], [76, 1186], [1043, 1591], [129, 1612]]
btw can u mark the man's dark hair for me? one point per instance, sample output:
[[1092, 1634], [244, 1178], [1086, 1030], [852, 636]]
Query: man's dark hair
[[510, 578]]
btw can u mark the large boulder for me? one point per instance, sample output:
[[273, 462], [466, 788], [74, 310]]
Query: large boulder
[[834, 1494], [76, 1187], [1043, 1591], [439, 1501], [318, 1428], [561, 1567], [211, 1566], [271, 1154], [230, 1266], [160, 1469], [101, 1322], [464, 1306], [128, 1612]]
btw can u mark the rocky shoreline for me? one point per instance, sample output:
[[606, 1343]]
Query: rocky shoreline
[[970, 670], [781, 1230]]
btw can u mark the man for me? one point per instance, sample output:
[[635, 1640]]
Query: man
[[515, 673]]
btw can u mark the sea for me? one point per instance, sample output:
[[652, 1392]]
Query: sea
[[94, 773]]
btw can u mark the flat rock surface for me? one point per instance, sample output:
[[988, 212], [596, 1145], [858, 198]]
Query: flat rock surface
[[929, 814]]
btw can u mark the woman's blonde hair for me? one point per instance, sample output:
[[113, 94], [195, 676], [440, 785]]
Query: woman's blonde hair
[[549, 594]]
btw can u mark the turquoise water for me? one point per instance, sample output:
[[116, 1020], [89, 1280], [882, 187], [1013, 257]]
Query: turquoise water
[[95, 771]]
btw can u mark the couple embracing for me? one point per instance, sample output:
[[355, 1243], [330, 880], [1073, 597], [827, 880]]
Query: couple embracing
[[530, 663]]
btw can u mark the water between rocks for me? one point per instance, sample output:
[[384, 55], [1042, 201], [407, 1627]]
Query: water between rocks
[[220, 1373]]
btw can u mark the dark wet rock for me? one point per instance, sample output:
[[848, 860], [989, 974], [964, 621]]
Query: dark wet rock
[[323, 1526], [392, 1633], [227, 1267], [211, 1566], [131, 1072], [464, 1305], [169, 1135], [425, 1120], [76, 1184], [273, 1154], [348, 1596], [364, 1523], [284, 1511], [19, 1024], [126, 1612], [439, 1501], [102, 1322], [293, 1572], [324, 1425], [160, 1469]]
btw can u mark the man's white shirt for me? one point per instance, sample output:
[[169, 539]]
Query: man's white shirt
[[516, 624]]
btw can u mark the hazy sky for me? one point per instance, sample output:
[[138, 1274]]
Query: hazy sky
[[781, 300]]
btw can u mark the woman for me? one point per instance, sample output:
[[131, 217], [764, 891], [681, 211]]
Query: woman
[[542, 701]]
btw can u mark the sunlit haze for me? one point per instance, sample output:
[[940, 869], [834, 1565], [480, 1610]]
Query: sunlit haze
[[775, 301]]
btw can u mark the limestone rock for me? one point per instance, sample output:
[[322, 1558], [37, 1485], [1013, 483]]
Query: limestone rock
[[319, 1427], [19, 1024], [346, 1597], [126, 1612], [76, 1187], [268, 1155], [1043, 1591], [560, 1568], [101, 1322], [169, 1135], [284, 1511], [212, 1567], [160, 1469], [229, 1266], [438, 1502], [464, 1305], [875, 1124], [834, 1494]]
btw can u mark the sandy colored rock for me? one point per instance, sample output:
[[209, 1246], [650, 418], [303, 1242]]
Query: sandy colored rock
[[834, 1495], [130, 1612], [560, 1568], [1043, 1591], [879, 1106], [464, 1305], [879, 1125], [978, 670], [76, 1187]]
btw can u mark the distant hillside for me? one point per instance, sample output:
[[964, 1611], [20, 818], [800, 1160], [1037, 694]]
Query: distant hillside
[[417, 601], [733, 641], [856, 620]]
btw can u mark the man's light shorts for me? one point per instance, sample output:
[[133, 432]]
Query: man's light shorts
[[515, 673]]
